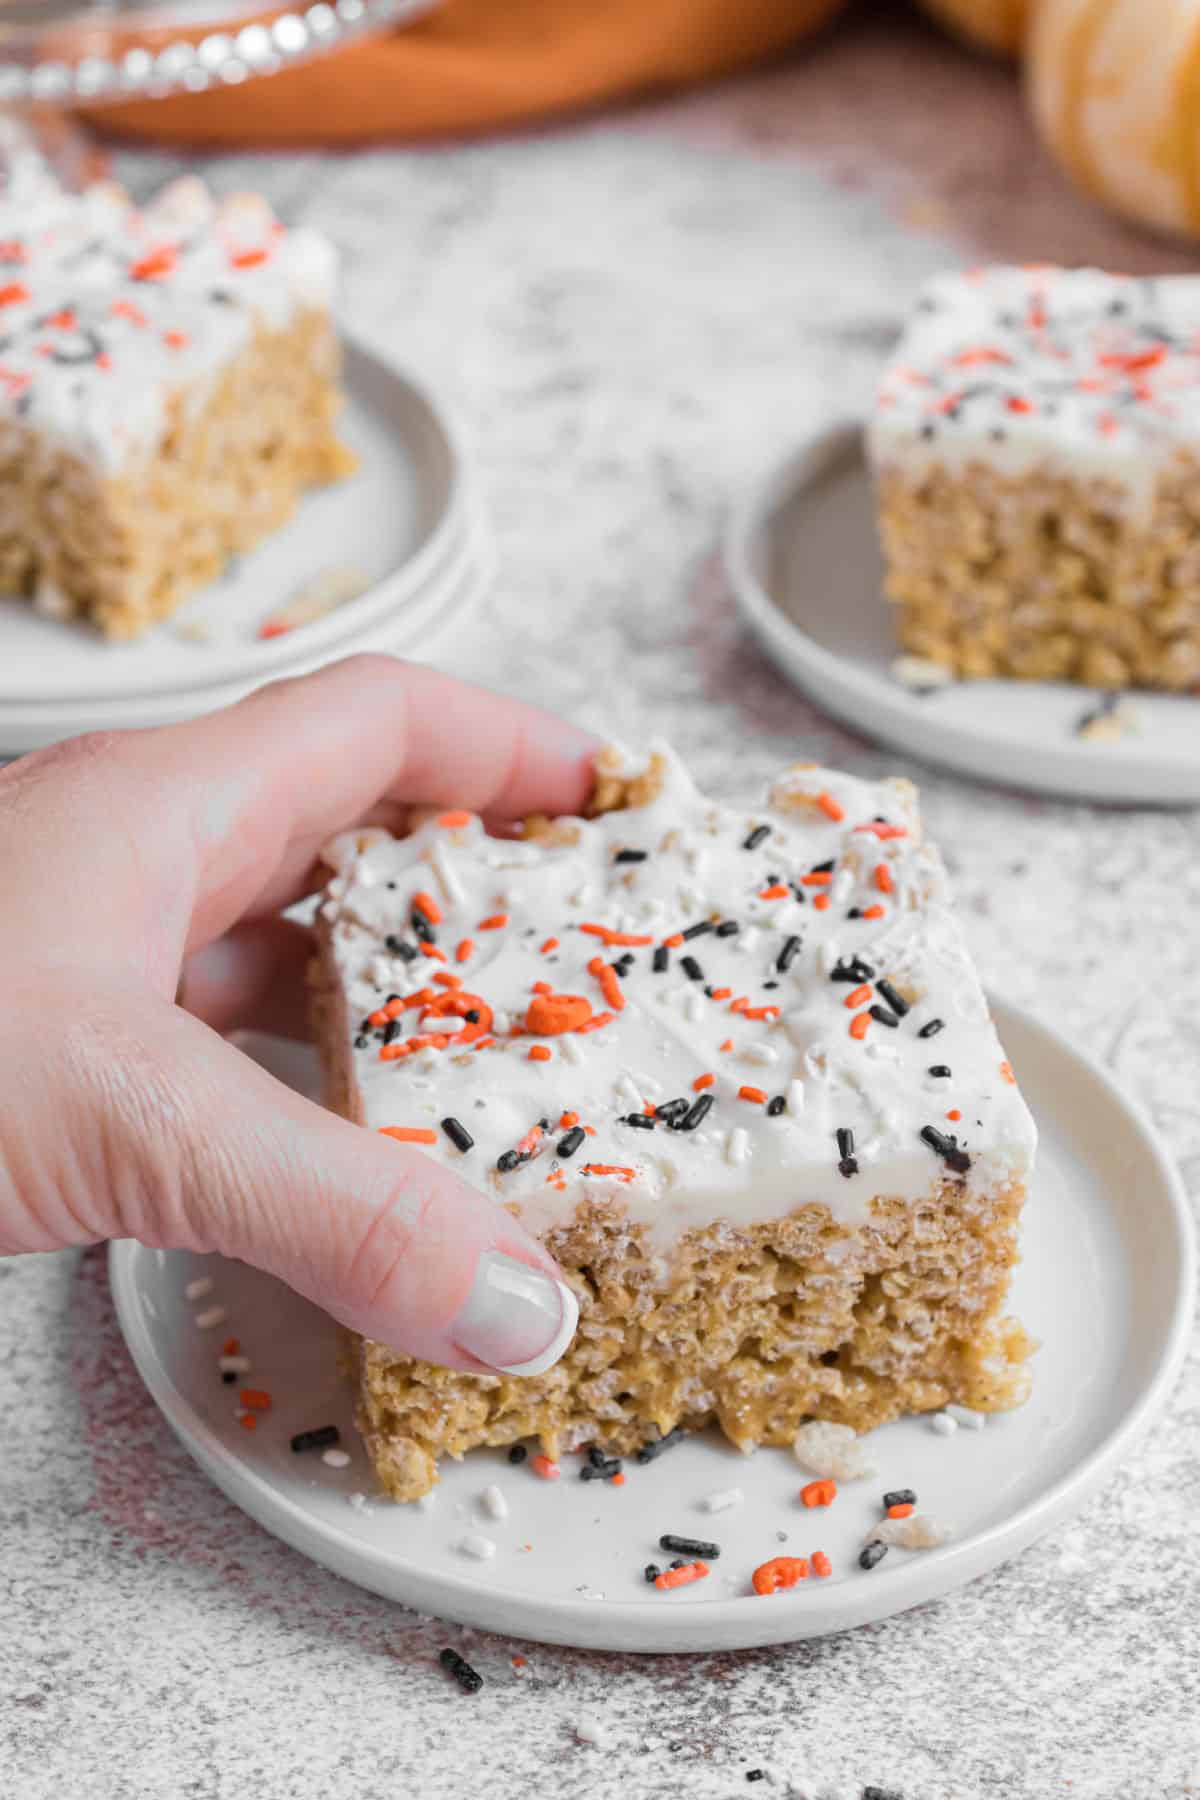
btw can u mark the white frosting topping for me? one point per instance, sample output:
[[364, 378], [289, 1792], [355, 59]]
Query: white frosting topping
[[1091, 374], [107, 310], [770, 1023]]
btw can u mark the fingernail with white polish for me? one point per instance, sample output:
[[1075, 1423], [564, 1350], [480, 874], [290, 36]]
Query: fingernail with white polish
[[517, 1319]]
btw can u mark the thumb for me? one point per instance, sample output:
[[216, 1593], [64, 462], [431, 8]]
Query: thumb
[[224, 1157]]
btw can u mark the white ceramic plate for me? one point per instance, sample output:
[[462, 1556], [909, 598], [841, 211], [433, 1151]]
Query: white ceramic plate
[[803, 558], [1106, 1285], [405, 521]]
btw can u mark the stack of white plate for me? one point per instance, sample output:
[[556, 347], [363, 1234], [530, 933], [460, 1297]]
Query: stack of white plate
[[404, 529]]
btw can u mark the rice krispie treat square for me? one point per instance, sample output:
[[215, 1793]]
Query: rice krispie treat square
[[1036, 450], [732, 1065]]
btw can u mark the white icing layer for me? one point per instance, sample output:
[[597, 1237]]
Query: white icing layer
[[776, 1020], [107, 310], [1090, 374]]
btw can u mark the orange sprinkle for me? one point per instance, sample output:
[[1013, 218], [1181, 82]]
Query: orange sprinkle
[[673, 1578], [754, 1095], [568, 1119], [248, 1421], [721, 993], [530, 1141], [780, 1572], [153, 267], [817, 878], [727, 1045], [483, 1043], [819, 1493], [257, 1399], [550, 944], [821, 901], [777, 891], [393, 1052], [617, 1480], [650, 1109], [248, 259], [176, 340], [537, 1053], [701, 1082], [874, 912], [954, 1113], [1006, 1069], [674, 941], [494, 922], [740, 1004], [408, 1134], [883, 878], [446, 980], [610, 987], [273, 628], [542, 987], [901, 1510], [626, 938], [519, 1662], [594, 1024], [432, 951], [426, 904], [454, 821], [860, 1024], [760, 1012], [463, 949], [821, 1564], [230, 1347], [618, 1169], [830, 808], [882, 831], [858, 998], [542, 1465]]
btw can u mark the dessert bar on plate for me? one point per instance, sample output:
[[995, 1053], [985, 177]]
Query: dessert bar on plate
[[732, 1065], [1036, 448], [168, 388]]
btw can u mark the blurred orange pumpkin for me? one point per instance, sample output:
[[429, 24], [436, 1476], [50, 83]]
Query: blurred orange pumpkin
[[1115, 91], [992, 24]]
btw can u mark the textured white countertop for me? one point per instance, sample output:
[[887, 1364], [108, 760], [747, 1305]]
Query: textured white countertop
[[632, 317]]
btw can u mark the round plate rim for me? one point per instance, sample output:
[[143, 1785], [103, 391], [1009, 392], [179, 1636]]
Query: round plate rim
[[741, 1622], [850, 694], [275, 657]]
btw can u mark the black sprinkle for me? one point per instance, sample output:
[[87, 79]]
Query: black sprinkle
[[220, 297], [878, 1793], [423, 929], [848, 1166], [518, 1453], [942, 1070], [468, 1679], [643, 1121], [672, 1109], [392, 1030], [570, 1142], [872, 1554], [845, 1141], [660, 959], [884, 1016], [787, 955], [687, 1546], [696, 1112], [228, 1377], [360, 1042], [799, 893], [756, 1774], [900, 1497], [623, 964], [691, 968], [770, 984], [728, 928], [652, 1451], [896, 1001], [825, 868], [458, 1134], [775, 1105], [855, 912], [510, 1159], [756, 837], [399, 947], [697, 930], [1104, 709], [320, 1439], [855, 971], [472, 1017], [652, 1572], [631, 856], [600, 1471], [947, 1148], [932, 1029], [596, 1456]]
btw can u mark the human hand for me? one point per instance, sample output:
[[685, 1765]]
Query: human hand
[[138, 865]]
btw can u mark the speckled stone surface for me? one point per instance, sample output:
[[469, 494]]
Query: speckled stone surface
[[633, 317]]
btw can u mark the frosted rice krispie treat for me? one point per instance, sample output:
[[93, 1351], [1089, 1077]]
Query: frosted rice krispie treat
[[732, 1065], [1036, 447], [168, 386]]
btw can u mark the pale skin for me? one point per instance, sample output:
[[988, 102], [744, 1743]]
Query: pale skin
[[138, 866]]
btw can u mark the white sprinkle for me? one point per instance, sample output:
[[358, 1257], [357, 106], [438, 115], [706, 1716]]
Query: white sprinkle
[[212, 1315], [695, 1009], [446, 873], [335, 1459], [447, 1027], [473, 1544], [747, 939], [943, 1424], [592, 1731], [795, 1098], [715, 1503], [428, 1501], [570, 1049], [760, 1053], [629, 1091], [921, 1531], [737, 1146], [833, 1451], [379, 970], [963, 1415], [357, 1501], [493, 1503], [501, 1023], [234, 1365], [196, 1290]]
